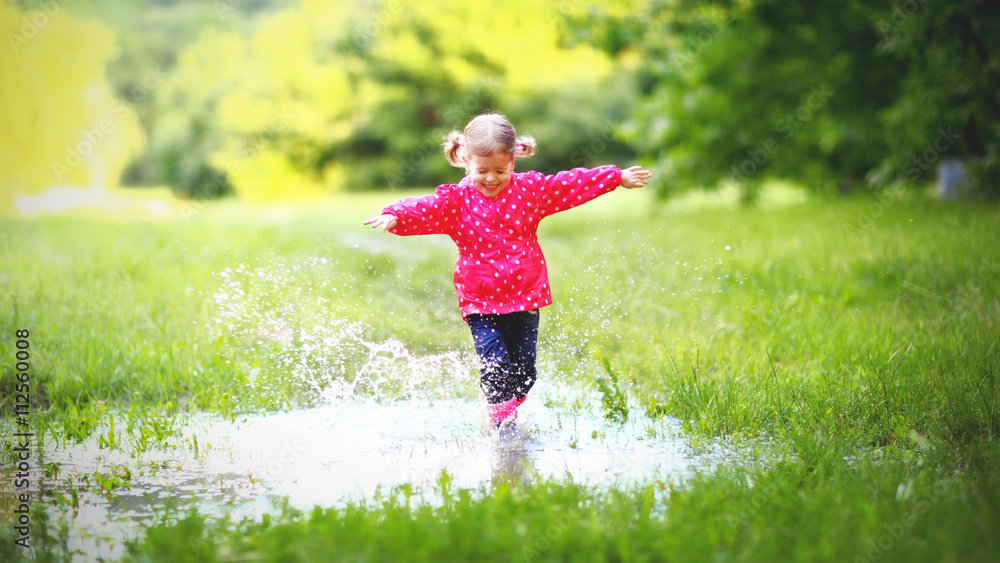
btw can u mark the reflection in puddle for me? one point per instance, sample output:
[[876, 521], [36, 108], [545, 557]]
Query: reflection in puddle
[[354, 450]]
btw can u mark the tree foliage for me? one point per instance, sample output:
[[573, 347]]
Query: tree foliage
[[949, 100], [272, 99], [324, 96], [829, 93], [62, 124], [257, 111], [754, 91]]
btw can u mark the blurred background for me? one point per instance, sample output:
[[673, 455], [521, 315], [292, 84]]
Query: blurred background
[[187, 100]]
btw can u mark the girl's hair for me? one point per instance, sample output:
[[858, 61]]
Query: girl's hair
[[486, 134]]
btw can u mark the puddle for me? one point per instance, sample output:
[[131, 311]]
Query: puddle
[[352, 450]]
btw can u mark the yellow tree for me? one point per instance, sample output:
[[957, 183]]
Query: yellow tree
[[279, 112], [273, 100], [519, 38], [441, 62], [62, 125]]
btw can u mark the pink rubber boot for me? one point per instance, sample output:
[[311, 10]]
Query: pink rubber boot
[[503, 411]]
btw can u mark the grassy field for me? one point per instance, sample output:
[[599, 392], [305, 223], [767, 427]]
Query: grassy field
[[857, 338]]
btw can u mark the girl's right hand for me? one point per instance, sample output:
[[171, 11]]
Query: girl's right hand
[[385, 221]]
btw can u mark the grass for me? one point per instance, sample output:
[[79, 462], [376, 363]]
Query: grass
[[859, 339]]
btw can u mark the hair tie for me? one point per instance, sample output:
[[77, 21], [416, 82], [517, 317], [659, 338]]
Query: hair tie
[[520, 146], [460, 144]]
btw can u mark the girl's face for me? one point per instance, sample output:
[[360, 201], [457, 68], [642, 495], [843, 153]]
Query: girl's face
[[490, 174]]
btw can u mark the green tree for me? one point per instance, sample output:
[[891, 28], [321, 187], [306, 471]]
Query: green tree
[[258, 111], [748, 91], [949, 102], [827, 93]]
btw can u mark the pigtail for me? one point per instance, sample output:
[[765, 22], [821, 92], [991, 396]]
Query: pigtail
[[525, 146], [454, 149]]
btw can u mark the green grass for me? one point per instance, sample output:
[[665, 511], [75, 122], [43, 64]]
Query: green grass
[[859, 340], [780, 320], [865, 512]]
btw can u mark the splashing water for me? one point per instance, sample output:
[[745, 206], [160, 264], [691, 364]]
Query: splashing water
[[287, 327]]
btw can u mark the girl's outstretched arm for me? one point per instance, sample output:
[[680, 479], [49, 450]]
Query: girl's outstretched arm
[[434, 214], [635, 177], [385, 221], [571, 188]]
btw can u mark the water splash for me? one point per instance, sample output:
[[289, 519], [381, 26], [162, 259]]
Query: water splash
[[289, 331]]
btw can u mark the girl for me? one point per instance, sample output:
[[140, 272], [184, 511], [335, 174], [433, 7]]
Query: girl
[[492, 214]]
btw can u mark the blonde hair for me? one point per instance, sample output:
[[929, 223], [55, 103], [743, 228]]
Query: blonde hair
[[485, 135]]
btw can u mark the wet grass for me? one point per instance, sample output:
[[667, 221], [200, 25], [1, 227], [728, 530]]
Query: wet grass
[[858, 341], [735, 514]]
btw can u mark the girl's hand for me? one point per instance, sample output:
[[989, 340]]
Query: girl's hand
[[385, 221], [635, 177]]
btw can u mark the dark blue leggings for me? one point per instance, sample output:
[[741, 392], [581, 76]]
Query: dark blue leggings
[[506, 345]]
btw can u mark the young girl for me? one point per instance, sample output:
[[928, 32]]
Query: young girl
[[500, 277]]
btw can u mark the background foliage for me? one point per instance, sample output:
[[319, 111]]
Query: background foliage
[[276, 100]]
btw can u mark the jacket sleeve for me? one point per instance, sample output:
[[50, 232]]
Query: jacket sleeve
[[571, 188], [425, 215]]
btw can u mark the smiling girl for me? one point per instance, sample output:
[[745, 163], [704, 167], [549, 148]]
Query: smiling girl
[[492, 214]]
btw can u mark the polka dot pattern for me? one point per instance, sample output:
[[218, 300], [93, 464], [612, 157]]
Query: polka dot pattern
[[500, 267]]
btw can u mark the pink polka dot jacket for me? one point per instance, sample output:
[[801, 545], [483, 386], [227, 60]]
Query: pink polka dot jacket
[[500, 267]]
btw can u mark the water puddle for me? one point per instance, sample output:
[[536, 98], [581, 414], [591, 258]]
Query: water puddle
[[353, 450]]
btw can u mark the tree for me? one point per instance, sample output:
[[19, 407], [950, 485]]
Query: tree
[[827, 93], [322, 96], [440, 63], [62, 125], [749, 91], [949, 102], [259, 111]]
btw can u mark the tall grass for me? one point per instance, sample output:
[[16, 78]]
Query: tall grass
[[862, 347], [736, 321], [783, 320], [864, 512]]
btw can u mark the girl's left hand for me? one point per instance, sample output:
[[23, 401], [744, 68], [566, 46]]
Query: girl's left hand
[[635, 177]]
